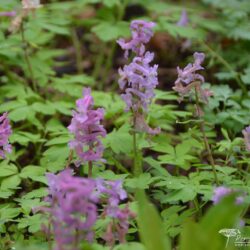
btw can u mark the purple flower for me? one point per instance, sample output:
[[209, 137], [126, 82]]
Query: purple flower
[[5, 132], [246, 134], [72, 208], [239, 200], [219, 193], [188, 74], [183, 21], [87, 130], [118, 227], [141, 34], [8, 13], [31, 4], [188, 79], [138, 79]]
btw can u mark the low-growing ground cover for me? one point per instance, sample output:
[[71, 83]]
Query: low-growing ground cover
[[124, 125]]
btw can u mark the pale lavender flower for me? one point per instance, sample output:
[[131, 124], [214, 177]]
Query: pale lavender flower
[[242, 223], [189, 79], [239, 200], [8, 13], [87, 130], [188, 74], [219, 193], [118, 227], [72, 208], [31, 4], [141, 34], [138, 79], [5, 132], [183, 21], [246, 134]]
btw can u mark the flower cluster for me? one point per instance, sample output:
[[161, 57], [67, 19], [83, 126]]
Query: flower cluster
[[31, 4], [74, 205], [139, 79], [118, 227], [87, 130], [72, 208], [246, 134], [141, 34], [8, 13], [5, 132], [188, 78], [221, 192], [183, 21]]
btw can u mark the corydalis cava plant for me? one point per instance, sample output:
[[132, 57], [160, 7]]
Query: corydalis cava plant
[[188, 79], [73, 209], [87, 129], [5, 132], [138, 79]]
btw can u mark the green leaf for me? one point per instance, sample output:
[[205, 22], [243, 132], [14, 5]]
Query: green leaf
[[7, 213], [107, 31], [36, 193], [130, 246], [197, 236], [23, 138], [20, 114], [64, 139], [150, 225], [7, 170], [142, 182], [32, 171], [119, 140], [11, 182]]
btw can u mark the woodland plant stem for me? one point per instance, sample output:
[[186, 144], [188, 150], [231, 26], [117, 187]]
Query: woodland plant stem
[[98, 65], [90, 169], [49, 234], [27, 59], [207, 146], [78, 51], [109, 60], [137, 164], [69, 158], [197, 207]]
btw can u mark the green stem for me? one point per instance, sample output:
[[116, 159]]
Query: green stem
[[137, 162], [90, 164], [197, 207], [99, 63], [78, 51], [69, 158], [26, 57], [207, 146], [109, 60], [228, 66], [49, 234]]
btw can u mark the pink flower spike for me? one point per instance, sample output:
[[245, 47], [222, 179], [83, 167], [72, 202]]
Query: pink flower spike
[[5, 132], [87, 129]]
